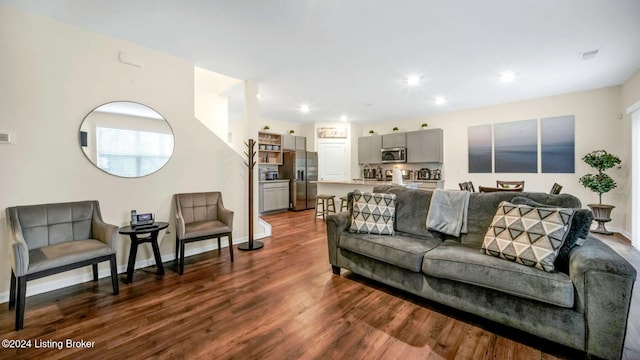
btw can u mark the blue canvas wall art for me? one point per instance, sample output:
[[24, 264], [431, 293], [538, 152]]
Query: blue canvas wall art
[[480, 149], [516, 147], [557, 141]]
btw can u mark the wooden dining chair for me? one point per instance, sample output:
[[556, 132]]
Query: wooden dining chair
[[467, 186], [510, 184], [555, 189]]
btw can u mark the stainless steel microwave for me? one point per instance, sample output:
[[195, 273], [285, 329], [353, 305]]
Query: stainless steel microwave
[[394, 155]]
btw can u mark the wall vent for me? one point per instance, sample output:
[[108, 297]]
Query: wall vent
[[588, 55]]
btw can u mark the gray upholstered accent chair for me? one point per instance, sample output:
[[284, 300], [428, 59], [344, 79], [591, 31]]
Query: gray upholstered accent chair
[[201, 216], [51, 238]]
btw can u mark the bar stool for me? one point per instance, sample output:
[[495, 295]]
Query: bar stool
[[328, 205], [343, 203]]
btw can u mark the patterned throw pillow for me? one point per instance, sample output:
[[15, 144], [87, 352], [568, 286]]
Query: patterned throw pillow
[[373, 213], [527, 235]]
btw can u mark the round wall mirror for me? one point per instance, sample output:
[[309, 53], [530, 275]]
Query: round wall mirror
[[126, 139]]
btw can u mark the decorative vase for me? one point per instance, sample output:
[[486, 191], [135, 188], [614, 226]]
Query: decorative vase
[[601, 214]]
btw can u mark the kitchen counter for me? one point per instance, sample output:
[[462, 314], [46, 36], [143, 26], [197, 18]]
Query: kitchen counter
[[340, 188]]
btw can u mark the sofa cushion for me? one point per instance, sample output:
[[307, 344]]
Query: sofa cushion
[[373, 213], [482, 207], [53, 256], [402, 250], [459, 262], [580, 225], [527, 235]]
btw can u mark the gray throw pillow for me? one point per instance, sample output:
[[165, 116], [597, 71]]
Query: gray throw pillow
[[580, 226]]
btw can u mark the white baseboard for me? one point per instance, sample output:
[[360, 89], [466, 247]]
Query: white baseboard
[[104, 271]]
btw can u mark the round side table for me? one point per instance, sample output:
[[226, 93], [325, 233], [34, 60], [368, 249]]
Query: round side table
[[136, 239]]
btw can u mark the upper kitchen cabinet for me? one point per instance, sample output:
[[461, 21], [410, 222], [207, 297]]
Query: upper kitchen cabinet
[[424, 146], [291, 142], [269, 148], [396, 140], [369, 149]]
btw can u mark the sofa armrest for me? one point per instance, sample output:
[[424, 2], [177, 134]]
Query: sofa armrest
[[604, 282], [226, 216], [336, 224], [104, 232], [18, 248]]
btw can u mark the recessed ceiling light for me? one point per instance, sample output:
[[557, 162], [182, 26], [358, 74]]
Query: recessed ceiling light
[[259, 96], [344, 117], [413, 80], [440, 100], [507, 76], [304, 108]]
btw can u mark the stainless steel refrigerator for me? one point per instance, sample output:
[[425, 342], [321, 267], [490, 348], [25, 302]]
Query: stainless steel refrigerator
[[301, 167]]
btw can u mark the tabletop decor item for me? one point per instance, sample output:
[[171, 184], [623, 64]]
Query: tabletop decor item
[[395, 129], [424, 126], [600, 183], [371, 132]]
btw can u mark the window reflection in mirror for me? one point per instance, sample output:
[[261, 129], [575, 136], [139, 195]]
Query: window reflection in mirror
[[126, 139]]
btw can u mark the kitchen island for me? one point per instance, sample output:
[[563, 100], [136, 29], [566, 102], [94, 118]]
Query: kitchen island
[[343, 187]]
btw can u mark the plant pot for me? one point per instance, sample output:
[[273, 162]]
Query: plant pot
[[601, 214]]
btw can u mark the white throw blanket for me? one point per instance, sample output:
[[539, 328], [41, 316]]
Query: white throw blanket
[[448, 211]]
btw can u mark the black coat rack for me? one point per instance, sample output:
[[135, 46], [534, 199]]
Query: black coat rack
[[251, 244]]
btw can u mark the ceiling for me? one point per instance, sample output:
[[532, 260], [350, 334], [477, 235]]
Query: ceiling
[[353, 56]]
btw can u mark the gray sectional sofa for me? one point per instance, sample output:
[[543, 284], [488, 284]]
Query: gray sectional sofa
[[584, 304]]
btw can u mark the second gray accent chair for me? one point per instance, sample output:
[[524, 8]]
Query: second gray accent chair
[[201, 216], [52, 238]]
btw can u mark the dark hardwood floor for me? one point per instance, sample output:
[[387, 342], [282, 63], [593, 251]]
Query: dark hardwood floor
[[280, 302]]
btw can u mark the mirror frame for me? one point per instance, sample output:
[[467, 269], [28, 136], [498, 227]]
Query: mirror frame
[[83, 138]]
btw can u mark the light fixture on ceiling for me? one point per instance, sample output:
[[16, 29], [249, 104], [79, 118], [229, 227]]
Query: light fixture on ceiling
[[344, 117], [440, 100], [304, 108], [259, 96], [507, 77], [413, 80]]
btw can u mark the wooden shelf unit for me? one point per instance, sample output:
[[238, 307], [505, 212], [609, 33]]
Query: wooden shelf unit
[[271, 156]]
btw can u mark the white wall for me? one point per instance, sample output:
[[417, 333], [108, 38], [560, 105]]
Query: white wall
[[52, 75]]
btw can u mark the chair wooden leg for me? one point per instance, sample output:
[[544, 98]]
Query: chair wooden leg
[[181, 264], [94, 269], [114, 275], [21, 299], [12, 290], [230, 246], [218, 244], [177, 248]]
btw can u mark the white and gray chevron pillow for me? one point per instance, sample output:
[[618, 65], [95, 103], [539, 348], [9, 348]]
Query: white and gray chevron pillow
[[373, 213]]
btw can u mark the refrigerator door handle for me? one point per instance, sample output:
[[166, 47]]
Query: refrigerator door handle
[[302, 175]]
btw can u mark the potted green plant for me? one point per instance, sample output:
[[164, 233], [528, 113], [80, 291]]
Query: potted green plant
[[424, 126], [371, 132], [266, 127], [395, 129], [600, 183], [291, 132]]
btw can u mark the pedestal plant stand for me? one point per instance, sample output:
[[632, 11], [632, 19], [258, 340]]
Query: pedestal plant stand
[[601, 214], [600, 183], [251, 244]]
